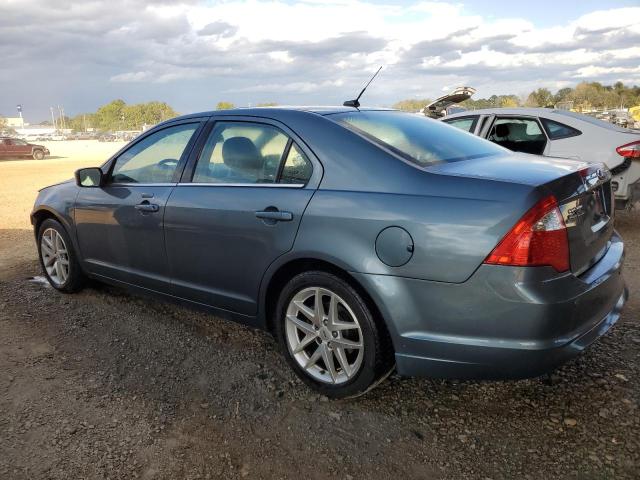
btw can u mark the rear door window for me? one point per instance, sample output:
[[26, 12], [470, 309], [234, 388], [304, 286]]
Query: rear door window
[[519, 134], [468, 124]]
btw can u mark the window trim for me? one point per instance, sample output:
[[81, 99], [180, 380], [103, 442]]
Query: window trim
[[544, 120], [189, 172], [111, 163]]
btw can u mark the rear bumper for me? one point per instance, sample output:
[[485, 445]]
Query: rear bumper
[[504, 322]]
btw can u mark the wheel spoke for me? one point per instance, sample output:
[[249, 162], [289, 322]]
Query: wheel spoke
[[58, 270], [304, 342], [341, 355], [306, 311], [344, 326], [63, 261], [302, 325], [315, 356], [319, 309], [59, 244], [46, 249], [327, 356], [49, 260], [343, 342]]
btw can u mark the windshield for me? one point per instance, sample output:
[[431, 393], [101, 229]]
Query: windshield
[[416, 138]]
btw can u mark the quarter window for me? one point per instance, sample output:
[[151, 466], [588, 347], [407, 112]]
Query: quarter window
[[467, 123], [155, 158], [557, 130], [297, 168], [241, 152]]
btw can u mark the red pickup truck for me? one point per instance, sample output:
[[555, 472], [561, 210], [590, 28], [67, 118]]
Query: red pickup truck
[[16, 148]]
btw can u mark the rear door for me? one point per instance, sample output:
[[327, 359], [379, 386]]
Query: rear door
[[119, 225], [236, 210]]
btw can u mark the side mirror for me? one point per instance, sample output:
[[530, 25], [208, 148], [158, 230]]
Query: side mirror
[[89, 177]]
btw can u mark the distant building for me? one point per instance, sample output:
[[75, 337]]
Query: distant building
[[14, 122], [35, 130]]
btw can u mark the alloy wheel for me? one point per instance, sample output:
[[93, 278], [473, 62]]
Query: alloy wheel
[[324, 335], [55, 256]]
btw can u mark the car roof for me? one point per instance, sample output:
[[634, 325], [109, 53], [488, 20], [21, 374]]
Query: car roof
[[505, 111], [564, 116], [278, 111]]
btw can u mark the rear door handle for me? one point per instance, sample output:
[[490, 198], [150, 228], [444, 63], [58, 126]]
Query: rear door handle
[[147, 207], [275, 215]]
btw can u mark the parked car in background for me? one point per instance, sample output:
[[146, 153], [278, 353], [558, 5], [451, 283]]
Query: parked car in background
[[562, 133], [17, 148], [363, 239], [107, 137]]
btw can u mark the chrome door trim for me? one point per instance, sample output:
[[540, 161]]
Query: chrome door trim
[[260, 185]]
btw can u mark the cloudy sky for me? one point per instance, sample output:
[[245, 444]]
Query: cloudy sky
[[192, 54]]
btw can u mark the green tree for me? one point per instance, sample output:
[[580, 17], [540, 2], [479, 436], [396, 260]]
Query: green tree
[[225, 106], [267, 104], [109, 116], [542, 97]]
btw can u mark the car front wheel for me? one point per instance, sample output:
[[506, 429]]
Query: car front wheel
[[38, 155], [58, 259], [329, 336]]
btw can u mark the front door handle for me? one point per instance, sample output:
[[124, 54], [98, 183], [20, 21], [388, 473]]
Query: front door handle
[[147, 207], [275, 215]]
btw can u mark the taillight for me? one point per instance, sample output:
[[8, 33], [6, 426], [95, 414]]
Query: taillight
[[539, 238], [630, 150]]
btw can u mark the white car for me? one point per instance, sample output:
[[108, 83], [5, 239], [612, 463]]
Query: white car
[[561, 133]]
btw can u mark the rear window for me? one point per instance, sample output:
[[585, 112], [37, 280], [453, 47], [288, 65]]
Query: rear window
[[593, 121], [415, 138], [558, 130]]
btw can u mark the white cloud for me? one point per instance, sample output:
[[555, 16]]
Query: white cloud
[[311, 51]]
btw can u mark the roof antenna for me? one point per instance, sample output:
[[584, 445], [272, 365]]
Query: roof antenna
[[355, 103]]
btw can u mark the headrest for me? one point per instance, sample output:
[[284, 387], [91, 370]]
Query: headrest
[[502, 130], [241, 153], [519, 129]]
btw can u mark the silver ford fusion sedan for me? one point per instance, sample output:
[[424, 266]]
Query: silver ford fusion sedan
[[364, 240]]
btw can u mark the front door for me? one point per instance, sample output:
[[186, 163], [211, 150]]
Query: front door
[[119, 225], [236, 213]]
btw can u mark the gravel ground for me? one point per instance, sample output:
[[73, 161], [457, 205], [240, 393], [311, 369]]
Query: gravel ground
[[103, 384]]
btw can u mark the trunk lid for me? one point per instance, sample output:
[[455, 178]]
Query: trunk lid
[[583, 192], [588, 215]]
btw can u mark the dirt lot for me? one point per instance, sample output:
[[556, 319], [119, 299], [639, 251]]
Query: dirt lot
[[103, 384]]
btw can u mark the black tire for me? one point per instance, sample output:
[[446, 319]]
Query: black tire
[[377, 359], [76, 279], [38, 154]]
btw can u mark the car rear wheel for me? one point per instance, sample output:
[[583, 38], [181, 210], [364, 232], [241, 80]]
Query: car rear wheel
[[329, 336], [38, 154], [58, 259]]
